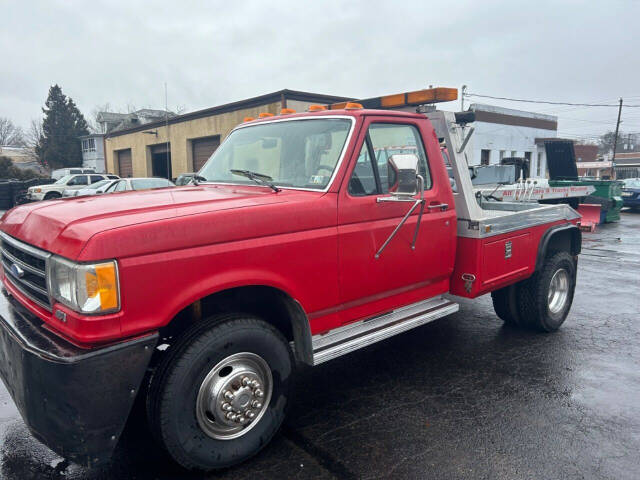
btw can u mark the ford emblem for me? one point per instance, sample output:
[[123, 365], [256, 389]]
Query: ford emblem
[[17, 271]]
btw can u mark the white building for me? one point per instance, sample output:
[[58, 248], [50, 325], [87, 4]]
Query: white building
[[503, 132], [93, 151]]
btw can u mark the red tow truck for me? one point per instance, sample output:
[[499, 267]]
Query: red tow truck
[[305, 236]]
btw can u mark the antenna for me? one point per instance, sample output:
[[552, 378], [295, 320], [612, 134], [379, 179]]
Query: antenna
[[166, 125]]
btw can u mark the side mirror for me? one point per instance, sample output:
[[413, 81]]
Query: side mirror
[[405, 168]]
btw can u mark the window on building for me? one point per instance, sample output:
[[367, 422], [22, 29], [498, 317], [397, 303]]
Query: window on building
[[89, 145], [502, 152], [514, 153], [485, 157]]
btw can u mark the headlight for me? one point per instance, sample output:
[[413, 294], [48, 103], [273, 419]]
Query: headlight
[[37, 190], [85, 288]]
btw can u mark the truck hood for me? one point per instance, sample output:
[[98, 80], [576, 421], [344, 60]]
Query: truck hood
[[65, 226]]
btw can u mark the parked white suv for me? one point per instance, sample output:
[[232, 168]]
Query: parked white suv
[[68, 182]]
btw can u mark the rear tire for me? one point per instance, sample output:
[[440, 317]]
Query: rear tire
[[505, 305], [544, 300]]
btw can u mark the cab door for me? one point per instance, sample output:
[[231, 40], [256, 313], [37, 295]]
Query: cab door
[[400, 275]]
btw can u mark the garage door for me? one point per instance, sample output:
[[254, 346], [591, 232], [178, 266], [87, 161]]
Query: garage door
[[202, 150], [125, 167]]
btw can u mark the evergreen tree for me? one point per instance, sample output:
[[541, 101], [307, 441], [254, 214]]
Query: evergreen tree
[[63, 123]]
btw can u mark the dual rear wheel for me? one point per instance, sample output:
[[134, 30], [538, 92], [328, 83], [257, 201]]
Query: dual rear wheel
[[543, 301]]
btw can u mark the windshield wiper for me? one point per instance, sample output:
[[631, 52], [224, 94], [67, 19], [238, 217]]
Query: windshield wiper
[[260, 178]]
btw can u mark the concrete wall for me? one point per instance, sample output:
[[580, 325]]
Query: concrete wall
[[512, 140], [180, 135]]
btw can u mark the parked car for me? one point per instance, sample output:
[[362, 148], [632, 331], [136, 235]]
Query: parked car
[[185, 179], [93, 189], [631, 193], [63, 172], [125, 184], [68, 182]]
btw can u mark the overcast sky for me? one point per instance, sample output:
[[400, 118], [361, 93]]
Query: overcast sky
[[211, 53]]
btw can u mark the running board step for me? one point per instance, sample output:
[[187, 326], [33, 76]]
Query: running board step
[[354, 336]]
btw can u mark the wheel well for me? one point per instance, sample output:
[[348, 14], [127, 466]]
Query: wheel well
[[270, 304], [563, 238]]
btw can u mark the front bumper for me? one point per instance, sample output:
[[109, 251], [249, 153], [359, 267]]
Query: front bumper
[[631, 201], [35, 197], [75, 401]]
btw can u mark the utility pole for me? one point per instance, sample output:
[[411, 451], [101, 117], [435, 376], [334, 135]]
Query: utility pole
[[615, 141], [463, 91]]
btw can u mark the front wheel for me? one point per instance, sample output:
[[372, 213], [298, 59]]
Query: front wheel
[[544, 300], [222, 393], [52, 196]]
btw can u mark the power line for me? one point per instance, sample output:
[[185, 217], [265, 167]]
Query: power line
[[548, 102]]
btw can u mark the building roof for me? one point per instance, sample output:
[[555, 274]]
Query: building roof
[[280, 95], [509, 116], [628, 159]]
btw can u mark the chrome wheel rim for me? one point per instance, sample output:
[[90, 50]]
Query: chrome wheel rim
[[558, 290], [234, 396]]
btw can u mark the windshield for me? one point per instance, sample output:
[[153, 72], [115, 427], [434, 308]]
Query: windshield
[[632, 183], [99, 184], [63, 180], [295, 153]]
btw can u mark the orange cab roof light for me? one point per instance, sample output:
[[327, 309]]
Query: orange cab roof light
[[287, 111], [249, 119], [265, 115], [316, 108], [338, 106], [353, 106]]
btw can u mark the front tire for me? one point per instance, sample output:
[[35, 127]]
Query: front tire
[[52, 196], [544, 300], [221, 394]]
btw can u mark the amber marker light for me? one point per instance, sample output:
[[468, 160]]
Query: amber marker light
[[287, 111], [316, 108], [353, 106], [265, 115], [249, 119]]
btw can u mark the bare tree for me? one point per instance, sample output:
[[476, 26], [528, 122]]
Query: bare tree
[[33, 137], [10, 134], [94, 124]]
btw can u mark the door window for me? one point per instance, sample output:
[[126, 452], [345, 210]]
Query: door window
[[96, 178], [372, 171], [78, 180], [363, 179], [121, 187]]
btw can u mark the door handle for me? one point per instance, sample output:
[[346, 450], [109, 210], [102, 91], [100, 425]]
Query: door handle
[[442, 206]]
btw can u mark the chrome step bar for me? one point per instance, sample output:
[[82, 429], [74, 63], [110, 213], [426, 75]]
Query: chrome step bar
[[354, 336]]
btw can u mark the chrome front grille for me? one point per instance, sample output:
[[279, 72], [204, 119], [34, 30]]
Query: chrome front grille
[[26, 268]]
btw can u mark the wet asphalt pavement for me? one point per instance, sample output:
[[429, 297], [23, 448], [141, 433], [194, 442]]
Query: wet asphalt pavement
[[463, 397]]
